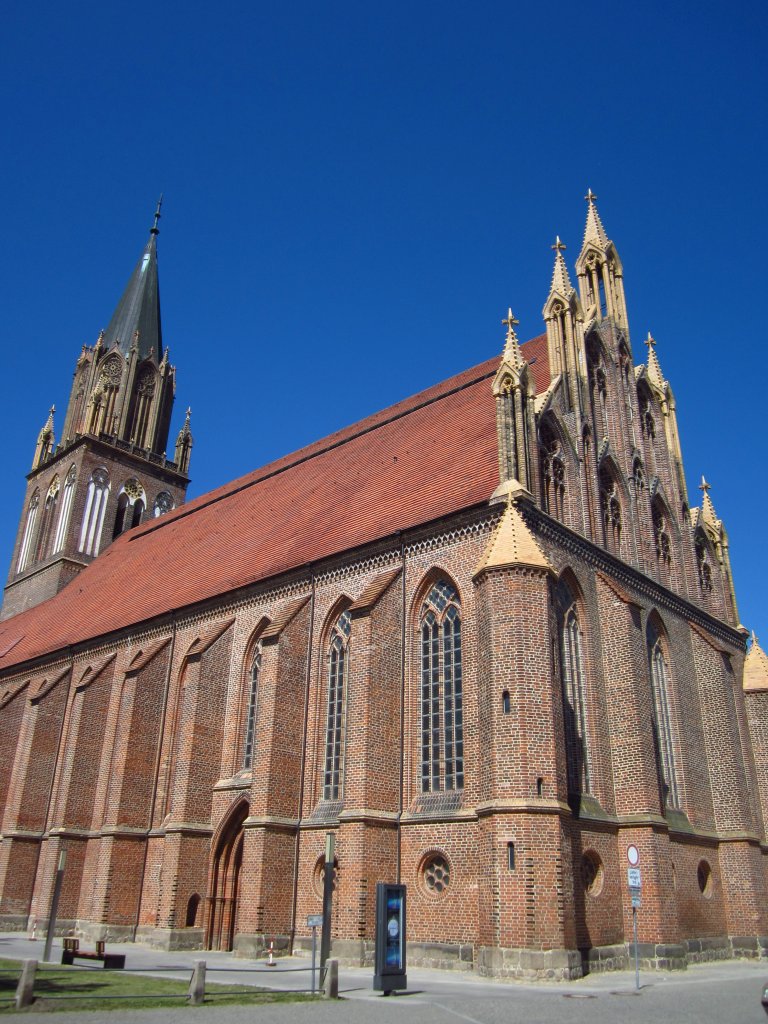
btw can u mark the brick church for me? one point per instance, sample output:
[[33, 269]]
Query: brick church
[[483, 636]]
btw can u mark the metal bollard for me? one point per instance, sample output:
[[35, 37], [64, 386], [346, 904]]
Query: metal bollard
[[197, 984], [331, 980], [26, 983]]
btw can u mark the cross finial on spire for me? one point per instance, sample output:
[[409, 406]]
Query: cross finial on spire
[[558, 246], [704, 486], [590, 196], [650, 341], [155, 230], [510, 322]]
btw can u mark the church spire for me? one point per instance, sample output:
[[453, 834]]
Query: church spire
[[137, 316]]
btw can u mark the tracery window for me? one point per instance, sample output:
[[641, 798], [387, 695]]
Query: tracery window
[[66, 508], [338, 668], [250, 719], [93, 516], [552, 472], [29, 532], [442, 725], [573, 679], [662, 721], [610, 506]]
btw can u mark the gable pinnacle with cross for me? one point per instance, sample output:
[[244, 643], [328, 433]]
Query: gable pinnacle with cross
[[590, 196], [510, 322], [704, 486], [650, 341], [558, 246]]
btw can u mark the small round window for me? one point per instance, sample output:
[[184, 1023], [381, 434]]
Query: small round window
[[437, 874], [704, 878], [592, 873]]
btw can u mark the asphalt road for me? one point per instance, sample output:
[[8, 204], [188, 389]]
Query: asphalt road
[[719, 993]]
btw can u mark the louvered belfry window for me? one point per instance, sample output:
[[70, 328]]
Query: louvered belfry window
[[338, 668], [442, 727]]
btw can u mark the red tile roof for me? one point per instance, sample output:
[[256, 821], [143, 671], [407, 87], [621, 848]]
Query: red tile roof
[[426, 457]]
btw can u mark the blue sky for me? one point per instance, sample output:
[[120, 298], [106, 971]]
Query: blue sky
[[354, 194]]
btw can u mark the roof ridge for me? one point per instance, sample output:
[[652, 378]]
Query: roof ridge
[[317, 448]]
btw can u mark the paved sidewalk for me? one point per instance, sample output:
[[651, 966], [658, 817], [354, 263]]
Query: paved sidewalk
[[725, 992]]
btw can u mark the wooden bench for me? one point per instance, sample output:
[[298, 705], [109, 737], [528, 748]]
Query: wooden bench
[[73, 952]]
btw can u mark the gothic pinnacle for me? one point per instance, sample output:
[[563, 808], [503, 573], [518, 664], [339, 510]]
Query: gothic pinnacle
[[561, 282], [655, 376], [707, 508], [512, 353], [594, 230]]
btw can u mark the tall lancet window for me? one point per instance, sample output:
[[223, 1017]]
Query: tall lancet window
[[253, 699], [442, 725], [29, 532], [574, 692], [93, 516], [66, 508], [338, 669], [662, 721]]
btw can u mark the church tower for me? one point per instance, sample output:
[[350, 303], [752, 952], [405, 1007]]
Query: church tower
[[109, 472]]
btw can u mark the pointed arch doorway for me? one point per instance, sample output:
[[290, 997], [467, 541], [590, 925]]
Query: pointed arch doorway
[[224, 887]]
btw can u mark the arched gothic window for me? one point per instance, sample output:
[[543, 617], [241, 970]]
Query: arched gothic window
[[574, 692], [647, 422], [442, 725], [250, 719], [66, 508], [552, 472], [93, 516], [338, 668], [130, 506], [610, 506], [662, 721], [46, 520], [29, 532], [638, 476], [661, 537], [703, 565]]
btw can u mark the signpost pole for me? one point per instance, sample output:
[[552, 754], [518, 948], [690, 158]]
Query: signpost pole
[[325, 938], [637, 958]]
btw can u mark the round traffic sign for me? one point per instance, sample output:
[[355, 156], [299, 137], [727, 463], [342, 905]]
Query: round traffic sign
[[633, 855]]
